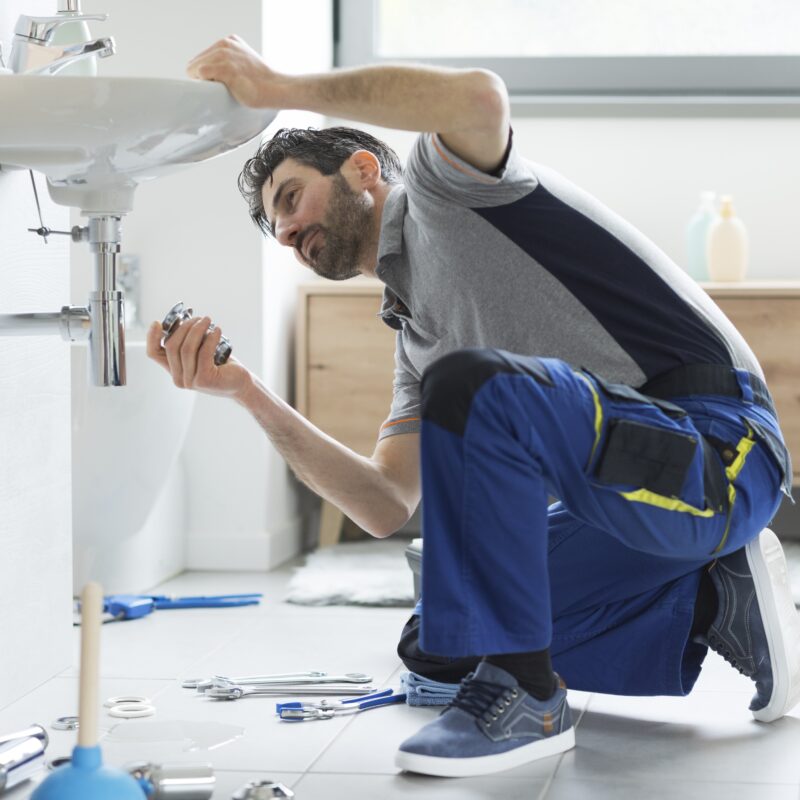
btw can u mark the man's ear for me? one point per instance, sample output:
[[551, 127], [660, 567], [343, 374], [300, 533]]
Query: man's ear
[[365, 168]]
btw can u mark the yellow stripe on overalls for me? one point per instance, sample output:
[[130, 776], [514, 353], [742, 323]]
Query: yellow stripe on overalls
[[598, 415], [667, 503], [746, 444]]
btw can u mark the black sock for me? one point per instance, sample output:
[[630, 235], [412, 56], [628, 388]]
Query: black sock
[[705, 607], [533, 671]]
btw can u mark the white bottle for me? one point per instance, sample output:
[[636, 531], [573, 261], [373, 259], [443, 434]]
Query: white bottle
[[697, 237], [727, 245], [74, 33]]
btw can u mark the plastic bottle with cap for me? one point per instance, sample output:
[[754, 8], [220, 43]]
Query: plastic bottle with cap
[[74, 33], [727, 245], [697, 236]]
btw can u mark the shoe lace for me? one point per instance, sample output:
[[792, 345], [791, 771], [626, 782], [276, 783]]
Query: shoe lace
[[482, 699]]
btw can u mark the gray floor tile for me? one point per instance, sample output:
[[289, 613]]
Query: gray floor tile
[[571, 789], [364, 643], [626, 747], [59, 697], [706, 737], [254, 739], [319, 786], [164, 644]]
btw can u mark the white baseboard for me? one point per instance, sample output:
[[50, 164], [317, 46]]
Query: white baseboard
[[253, 552]]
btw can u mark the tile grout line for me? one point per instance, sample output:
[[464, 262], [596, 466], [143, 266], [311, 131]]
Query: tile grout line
[[324, 750], [551, 779], [344, 728], [32, 690]]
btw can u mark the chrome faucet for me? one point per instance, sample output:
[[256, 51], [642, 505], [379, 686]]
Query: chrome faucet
[[34, 53]]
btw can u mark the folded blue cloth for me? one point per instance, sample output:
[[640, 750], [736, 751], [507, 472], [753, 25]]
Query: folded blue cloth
[[426, 692]]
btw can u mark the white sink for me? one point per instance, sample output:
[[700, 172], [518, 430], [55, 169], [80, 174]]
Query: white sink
[[96, 138]]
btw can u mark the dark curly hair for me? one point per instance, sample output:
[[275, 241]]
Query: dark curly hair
[[324, 150]]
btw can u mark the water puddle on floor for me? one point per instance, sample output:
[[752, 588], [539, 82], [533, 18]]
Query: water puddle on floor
[[189, 736]]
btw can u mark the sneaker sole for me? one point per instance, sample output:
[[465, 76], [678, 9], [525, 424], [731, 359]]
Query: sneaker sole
[[485, 765], [781, 623]]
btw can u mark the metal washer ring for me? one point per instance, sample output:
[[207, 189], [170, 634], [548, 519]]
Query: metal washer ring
[[60, 761], [69, 723], [132, 710]]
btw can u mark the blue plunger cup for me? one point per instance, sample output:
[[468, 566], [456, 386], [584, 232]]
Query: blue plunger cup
[[85, 778]]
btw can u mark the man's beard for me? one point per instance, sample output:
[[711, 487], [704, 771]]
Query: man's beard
[[346, 228]]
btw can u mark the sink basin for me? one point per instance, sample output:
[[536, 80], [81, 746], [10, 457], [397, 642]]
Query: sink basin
[[96, 138]]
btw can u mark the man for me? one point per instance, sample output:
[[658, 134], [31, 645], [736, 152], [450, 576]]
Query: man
[[525, 311]]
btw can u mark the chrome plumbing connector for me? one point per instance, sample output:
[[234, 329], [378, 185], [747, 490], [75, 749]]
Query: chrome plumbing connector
[[174, 781], [262, 790], [73, 323], [102, 322], [178, 314], [21, 758]]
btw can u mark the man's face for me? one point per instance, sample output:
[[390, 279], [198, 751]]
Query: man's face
[[325, 220]]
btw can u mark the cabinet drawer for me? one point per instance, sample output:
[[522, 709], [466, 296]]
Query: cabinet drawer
[[771, 327], [350, 367]]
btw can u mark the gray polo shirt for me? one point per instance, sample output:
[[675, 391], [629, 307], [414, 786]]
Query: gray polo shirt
[[525, 261]]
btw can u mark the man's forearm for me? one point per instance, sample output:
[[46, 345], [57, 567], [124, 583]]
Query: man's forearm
[[415, 98], [355, 484], [468, 107]]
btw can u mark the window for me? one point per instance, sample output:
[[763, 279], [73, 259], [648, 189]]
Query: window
[[588, 47]]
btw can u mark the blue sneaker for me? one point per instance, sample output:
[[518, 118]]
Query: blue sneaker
[[757, 628], [491, 725]]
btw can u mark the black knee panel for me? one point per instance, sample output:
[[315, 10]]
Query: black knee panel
[[450, 383]]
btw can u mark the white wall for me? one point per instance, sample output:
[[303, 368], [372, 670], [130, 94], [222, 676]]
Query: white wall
[[196, 243], [651, 171], [35, 546]]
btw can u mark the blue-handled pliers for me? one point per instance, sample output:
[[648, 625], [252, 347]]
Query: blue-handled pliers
[[328, 709], [133, 606]]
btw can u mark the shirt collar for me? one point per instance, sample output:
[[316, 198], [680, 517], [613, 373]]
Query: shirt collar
[[394, 211]]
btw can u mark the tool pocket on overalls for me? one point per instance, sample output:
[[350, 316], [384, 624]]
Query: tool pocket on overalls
[[645, 456]]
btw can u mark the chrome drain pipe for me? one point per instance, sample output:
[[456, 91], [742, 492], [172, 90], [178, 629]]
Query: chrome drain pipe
[[106, 304], [102, 322]]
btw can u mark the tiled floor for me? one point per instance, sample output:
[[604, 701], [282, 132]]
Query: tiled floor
[[704, 746]]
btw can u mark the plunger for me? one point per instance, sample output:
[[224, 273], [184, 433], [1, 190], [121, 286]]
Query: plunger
[[85, 778]]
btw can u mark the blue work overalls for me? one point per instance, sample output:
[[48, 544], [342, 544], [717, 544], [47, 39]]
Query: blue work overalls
[[607, 577]]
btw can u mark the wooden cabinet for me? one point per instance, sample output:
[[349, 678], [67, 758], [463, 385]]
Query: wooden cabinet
[[767, 314], [345, 359], [344, 369]]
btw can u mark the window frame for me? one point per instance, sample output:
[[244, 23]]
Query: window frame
[[592, 77]]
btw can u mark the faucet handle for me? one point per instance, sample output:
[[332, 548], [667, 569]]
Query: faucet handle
[[41, 29]]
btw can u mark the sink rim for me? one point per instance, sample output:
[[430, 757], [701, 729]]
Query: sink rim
[[97, 137]]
